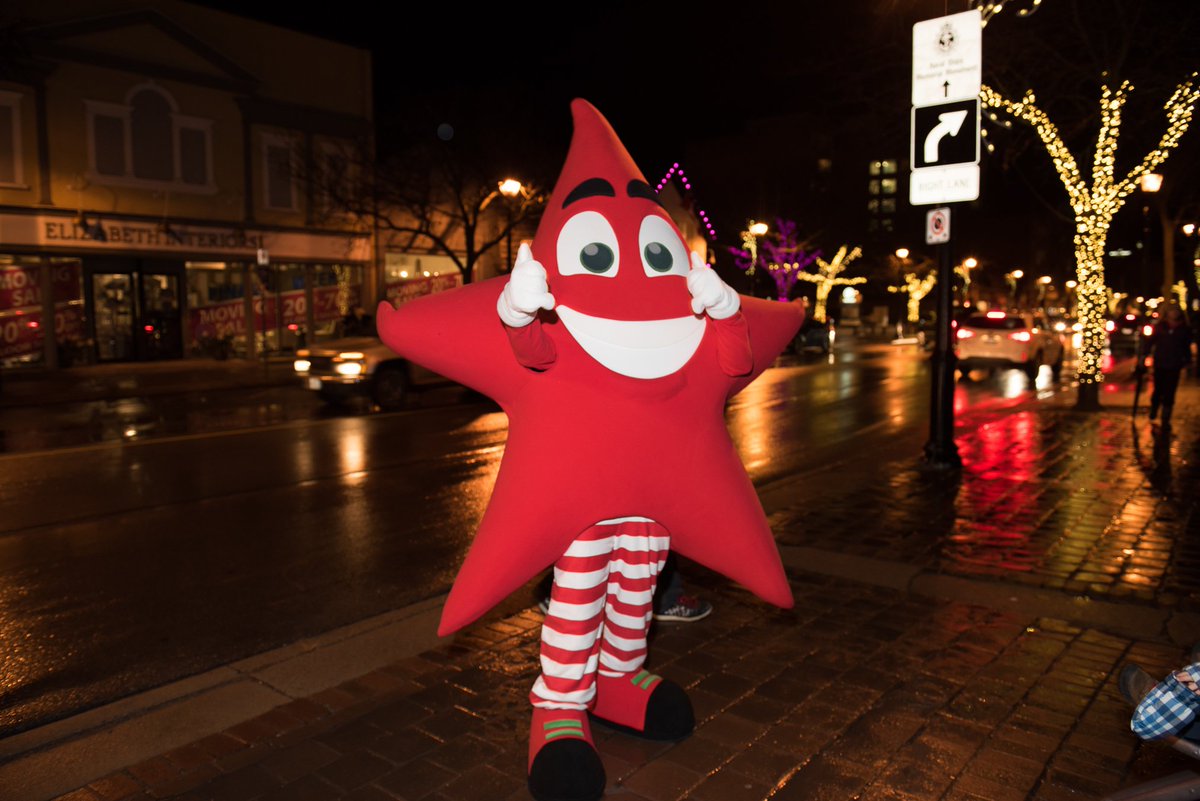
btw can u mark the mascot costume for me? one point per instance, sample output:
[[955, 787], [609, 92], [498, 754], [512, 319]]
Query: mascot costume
[[613, 350]]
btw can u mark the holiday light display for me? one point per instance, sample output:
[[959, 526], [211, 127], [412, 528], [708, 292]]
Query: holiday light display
[[990, 8], [827, 277], [1114, 299], [785, 256], [676, 170], [1095, 205], [916, 289], [1180, 289]]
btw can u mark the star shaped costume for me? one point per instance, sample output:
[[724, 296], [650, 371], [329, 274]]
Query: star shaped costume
[[588, 443]]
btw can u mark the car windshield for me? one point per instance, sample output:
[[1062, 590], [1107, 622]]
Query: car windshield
[[994, 323]]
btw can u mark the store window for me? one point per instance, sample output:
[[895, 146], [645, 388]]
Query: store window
[[337, 289], [216, 300], [22, 327], [408, 276], [11, 173]]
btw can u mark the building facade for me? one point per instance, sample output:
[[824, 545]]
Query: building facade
[[153, 198]]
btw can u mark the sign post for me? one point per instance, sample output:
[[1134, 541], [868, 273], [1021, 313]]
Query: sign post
[[944, 163]]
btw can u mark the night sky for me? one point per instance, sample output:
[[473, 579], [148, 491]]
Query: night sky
[[750, 100]]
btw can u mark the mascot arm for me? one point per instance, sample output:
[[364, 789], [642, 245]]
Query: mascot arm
[[734, 353], [532, 346]]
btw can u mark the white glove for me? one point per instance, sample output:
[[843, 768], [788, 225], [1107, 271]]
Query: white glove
[[709, 292], [526, 291]]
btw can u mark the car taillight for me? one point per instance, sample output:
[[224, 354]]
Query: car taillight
[[1110, 326], [965, 333], [1020, 336]]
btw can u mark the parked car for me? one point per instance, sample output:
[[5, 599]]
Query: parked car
[[361, 367], [1007, 340], [1124, 333]]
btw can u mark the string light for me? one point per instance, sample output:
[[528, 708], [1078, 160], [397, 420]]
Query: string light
[[1095, 205], [989, 9], [785, 259], [917, 289], [1181, 290], [827, 277], [677, 170]]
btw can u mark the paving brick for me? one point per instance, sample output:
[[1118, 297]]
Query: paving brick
[[824, 780], [353, 770], [115, 787], [299, 760], [481, 783], [661, 781], [415, 779], [729, 786]]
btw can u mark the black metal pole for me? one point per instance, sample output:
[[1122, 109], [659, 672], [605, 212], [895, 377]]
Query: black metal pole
[[941, 451]]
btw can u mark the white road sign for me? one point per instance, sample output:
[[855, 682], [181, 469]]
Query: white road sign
[[947, 58], [946, 75], [937, 226]]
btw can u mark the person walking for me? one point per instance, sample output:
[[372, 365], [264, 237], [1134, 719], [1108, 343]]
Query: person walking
[[1169, 347]]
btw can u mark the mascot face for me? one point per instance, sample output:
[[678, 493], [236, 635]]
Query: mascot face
[[616, 263]]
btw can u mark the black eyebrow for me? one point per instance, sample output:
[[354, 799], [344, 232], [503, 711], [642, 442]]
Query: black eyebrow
[[638, 188], [592, 187]]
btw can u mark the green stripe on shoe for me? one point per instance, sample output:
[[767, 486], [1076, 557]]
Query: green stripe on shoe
[[644, 679], [563, 728]]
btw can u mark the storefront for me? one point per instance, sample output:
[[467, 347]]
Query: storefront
[[133, 290]]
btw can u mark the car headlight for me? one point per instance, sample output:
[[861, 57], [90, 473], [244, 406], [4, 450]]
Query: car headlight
[[349, 368], [302, 365]]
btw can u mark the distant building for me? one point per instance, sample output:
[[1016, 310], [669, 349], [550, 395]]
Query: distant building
[[152, 201]]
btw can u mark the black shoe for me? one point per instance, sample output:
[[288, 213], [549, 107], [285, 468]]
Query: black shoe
[[567, 770], [1134, 683]]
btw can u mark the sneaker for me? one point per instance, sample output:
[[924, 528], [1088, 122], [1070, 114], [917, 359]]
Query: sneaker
[[1134, 683], [687, 609], [544, 605]]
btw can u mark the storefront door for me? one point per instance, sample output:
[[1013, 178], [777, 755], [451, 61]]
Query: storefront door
[[135, 308], [113, 311]]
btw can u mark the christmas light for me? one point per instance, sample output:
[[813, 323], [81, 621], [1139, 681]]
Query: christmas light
[[1095, 205], [827, 277], [676, 170], [917, 289], [785, 259]]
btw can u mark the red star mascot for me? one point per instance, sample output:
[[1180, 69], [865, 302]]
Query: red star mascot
[[613, 351]]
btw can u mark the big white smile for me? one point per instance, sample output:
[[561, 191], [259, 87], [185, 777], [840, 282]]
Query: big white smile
[[635, 348]]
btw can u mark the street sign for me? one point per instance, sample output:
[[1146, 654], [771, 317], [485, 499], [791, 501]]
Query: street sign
[[945, 134], [937, 226], [944, 143], [947, 58]]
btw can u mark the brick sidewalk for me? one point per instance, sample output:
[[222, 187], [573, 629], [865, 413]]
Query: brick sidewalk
[[858, 692]]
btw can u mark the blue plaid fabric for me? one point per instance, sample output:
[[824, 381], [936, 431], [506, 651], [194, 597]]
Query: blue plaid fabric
[[1168, 709]]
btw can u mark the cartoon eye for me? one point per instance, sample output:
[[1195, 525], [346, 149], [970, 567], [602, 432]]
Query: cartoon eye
[[663, 252], [587, 245]]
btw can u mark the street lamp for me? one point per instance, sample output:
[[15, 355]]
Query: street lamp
[[969, 263], [750, 241], [1012, 278], [1152, 183], [902, 253]]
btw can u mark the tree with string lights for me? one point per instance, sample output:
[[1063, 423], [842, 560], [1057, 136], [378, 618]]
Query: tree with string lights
[[784, 256], [916, 288], [828, 276], [1094, 205]]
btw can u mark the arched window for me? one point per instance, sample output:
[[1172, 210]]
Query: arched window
[[146, 142], [152, 133]]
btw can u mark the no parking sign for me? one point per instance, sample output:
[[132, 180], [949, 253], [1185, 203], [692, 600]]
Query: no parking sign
[[937, 225]]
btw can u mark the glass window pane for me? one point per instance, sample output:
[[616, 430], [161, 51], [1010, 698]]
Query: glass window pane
[[8, 145], [888, 185], [889, 167], [873, 187], [150, 121], [279, 177], [216, 309], [193, 156], [110, 144]]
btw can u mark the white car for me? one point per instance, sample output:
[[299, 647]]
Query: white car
[[342, 369], [1008, 340]]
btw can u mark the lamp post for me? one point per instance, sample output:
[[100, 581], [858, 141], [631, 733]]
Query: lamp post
[[509, 188], [1012, 277], [1043, 284], [969, 263], [1152, 184]]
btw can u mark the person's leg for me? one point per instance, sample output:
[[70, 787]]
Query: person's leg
[[670, 585], [626, 695], [1167, 389], [563, 762]]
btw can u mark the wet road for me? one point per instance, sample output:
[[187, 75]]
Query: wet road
[[129, 565]]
